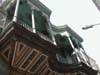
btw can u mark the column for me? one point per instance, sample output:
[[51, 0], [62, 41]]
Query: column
[[16, 11], [33, 22]]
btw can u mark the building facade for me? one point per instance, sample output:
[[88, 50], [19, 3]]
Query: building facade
[[31, 45]]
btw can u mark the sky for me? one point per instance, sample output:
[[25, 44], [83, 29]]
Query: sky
[[77, 14]]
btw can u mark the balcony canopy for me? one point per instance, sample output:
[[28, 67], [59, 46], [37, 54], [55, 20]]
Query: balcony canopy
[[66, 28]]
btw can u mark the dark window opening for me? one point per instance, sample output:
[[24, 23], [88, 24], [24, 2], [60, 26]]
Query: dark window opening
[[41, 24], [21, 2], [37, 64], [6, 53], [65, 49], [29, 59], [63, 44], [45, 32], [20, 47], [62, 52], [29, 17], [44, 21]]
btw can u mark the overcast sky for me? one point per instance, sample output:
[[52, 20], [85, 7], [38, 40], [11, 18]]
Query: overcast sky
[[76, 14]]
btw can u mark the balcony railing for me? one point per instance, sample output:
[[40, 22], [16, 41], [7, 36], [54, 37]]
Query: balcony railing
[[81, 58]]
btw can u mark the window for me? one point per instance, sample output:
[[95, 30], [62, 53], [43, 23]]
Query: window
[[29, 59], [41, 24], [65, 49], [37, 64], [43, 69], [63, 44], [24, 13], [6, 53], [20, 46]]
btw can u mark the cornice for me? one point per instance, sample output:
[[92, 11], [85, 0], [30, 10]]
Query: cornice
[[41, 6]]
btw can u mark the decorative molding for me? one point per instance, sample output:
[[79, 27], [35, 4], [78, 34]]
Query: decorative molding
[[41, 6]]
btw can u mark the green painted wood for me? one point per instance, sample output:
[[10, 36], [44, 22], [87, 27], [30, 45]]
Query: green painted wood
[[24, 13], [38, 21], [0, 30], [41, 24]]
